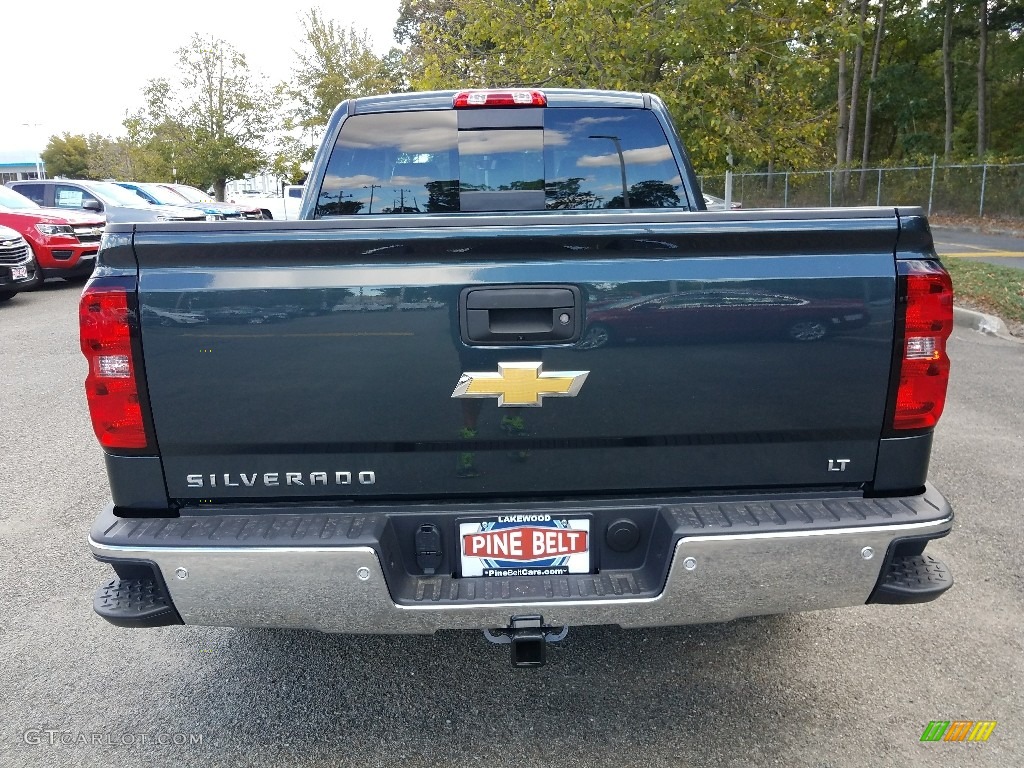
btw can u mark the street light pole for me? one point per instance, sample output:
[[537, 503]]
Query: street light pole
[[622, 165]]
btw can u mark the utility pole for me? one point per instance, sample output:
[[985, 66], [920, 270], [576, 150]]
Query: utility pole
[[371, 187]]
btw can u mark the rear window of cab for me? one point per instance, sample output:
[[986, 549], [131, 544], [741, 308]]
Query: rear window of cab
[[500, 160]]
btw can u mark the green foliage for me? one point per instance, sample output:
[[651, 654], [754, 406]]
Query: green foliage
[[334, 63], [909, 114], [756, 79], [1007, 91], [149, 152], [995, 289], [289, 158], [97, 157], [212, 121], [67, 156], [423, 27], [109, 158], [742, 82]]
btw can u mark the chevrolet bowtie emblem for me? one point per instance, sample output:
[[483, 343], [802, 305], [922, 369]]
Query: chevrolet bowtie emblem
[[520, 384]]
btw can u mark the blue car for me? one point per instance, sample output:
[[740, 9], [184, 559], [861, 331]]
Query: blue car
[[158, 194]]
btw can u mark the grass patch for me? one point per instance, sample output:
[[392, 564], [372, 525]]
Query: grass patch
[[987, 287]]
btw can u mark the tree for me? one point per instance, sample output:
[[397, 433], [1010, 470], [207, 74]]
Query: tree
[[335, 63], [947, 76], [443, 196], [1006, 78], [214, 118], [425, 26], [904, 119], [292, 152], [737, 80], [648, 194], [150, 150], [67, 156], [982, 76], [566, 195], [110, 159], [870, 103], [776, 83], [843, 124], [103, 157], [858, 65]]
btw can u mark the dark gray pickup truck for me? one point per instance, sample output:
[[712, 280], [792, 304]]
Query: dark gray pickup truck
[[508, 374]]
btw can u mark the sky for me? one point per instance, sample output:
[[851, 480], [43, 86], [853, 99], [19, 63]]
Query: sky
[[79, 67]]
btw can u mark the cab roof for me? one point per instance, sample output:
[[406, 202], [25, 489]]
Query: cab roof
[[557, 97]]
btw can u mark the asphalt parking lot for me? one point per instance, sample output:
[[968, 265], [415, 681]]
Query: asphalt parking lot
[[854, 687], [1003, 250]]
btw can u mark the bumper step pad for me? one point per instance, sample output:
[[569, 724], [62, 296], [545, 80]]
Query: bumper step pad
[[135, 603], [912, 579]]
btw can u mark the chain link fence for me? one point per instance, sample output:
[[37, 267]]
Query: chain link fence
[[968, 190]]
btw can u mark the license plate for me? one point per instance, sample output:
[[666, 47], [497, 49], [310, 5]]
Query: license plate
[[19, 273], [525, 545]]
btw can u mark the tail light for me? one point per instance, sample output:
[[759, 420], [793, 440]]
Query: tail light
[[106, 317], [923, 365], [516, 97]]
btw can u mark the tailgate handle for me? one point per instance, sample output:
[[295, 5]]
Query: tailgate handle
[[520, 315]]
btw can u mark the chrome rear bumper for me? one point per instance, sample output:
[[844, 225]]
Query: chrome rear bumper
[[712, 578]]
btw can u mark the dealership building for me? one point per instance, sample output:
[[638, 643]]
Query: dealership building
[[18, 165]]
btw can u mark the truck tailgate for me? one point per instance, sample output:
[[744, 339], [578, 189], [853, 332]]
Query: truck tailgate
[[320, 359]]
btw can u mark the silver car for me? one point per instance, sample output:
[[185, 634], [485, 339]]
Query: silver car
[[116, 203]]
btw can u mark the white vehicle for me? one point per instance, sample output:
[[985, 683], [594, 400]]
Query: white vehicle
[[284, 208]]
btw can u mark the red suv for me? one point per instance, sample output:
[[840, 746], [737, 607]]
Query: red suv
[[63, 242]]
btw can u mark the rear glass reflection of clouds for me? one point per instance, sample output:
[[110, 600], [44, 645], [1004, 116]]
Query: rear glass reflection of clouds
[[490, 142], [333, 182], [406, 181], [408, 133], [586, 122], [643, 156]]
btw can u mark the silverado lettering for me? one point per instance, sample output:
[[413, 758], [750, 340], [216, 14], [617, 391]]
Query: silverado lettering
[[762, 388], [270, 479]]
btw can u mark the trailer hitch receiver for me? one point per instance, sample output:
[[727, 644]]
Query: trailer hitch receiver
[[528, 637]]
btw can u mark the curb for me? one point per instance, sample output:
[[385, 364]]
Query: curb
[[990, 325]]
